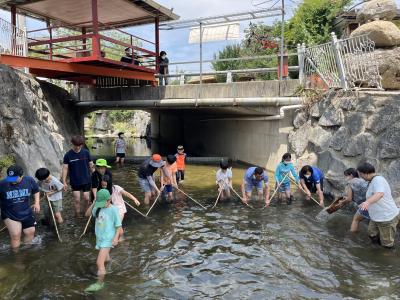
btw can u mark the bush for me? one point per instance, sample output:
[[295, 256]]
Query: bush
[[6, 161]]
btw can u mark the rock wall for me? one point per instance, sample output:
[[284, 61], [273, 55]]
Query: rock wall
[[343, 129], [37, 121]]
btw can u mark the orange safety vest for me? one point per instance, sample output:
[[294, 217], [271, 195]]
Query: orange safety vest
[[180, 161]]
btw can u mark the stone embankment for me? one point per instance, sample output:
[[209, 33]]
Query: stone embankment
[[37, 120], [343, 129]]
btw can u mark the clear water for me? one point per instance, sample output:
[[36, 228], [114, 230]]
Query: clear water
[[184, 252], [105, 146]]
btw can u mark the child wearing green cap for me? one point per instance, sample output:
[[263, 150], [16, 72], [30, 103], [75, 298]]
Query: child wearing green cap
[[101, 169], [108, 228]]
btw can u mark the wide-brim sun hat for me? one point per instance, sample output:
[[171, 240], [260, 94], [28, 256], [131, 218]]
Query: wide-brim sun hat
[[156, 161], [101, 162], [102, 196]]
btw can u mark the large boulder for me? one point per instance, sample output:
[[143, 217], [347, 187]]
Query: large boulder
[[320, 138], [331, 117], [383, 33], [383, 118], [339, 139], [300, 119], [389, 67], [298, 139], [389, 141], [377, 9], [356, 122], [361, 144]]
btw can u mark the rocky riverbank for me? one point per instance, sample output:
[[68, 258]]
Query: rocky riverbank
[[343, 129], [37, 121]]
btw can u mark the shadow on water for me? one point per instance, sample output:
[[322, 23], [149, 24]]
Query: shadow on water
[[184, 252]]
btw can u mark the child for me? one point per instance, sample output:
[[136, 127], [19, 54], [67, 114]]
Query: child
[[117, 196], [282, 177], [180, 163], [120, 148], [170, 180], [108, 228], [224, 179], [52, 188]]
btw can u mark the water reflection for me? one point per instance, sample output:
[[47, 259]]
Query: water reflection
[[184, 252], [106, 146]]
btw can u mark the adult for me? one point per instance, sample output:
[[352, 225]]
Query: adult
[[312, 181], [120, 148], [254, 178], [355, 191], [381, 207], [78, 164], [16, 192], [145, 176], [127, 58], [163, 62], [101, 169]]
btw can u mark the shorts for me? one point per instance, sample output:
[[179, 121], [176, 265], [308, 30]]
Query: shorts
[[248, 187], [121, 155], [81, 188], [56, 205], [386, 231], [168, 188], [180, 175], [145, 185], [312, 187], [363, 213], [26, 223], [285, 186], [103, 244]]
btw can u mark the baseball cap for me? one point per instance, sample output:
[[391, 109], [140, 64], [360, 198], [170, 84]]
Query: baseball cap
[[13, 173], [101, 162], [102, 197], [156, 161]]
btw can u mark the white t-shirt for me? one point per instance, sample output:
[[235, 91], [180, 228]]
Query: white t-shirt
[[117, 200], [385, 209], [52, 186], [224, 177]]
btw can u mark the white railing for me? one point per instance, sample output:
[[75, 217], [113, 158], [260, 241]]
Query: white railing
[[12, 39], [344, 64]]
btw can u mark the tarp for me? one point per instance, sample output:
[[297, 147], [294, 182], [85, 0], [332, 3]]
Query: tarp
[[230, 31]]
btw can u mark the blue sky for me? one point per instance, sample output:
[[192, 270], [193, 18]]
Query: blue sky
[[175, 42]]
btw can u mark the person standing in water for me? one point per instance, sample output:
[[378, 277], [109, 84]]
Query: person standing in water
[[223, 179], [356, 191], [145, 176], [282, 173], [381, 207], [169, 182], [120, 148], [79, 165], [180, 163], [254, 178], [312, 181], [16, 192], [102, 168]]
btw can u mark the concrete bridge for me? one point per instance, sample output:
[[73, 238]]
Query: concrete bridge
[[248, 121]]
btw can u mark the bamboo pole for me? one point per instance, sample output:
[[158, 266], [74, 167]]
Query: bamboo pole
[[54, 219]]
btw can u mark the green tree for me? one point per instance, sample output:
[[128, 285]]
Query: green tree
[[230, 51]]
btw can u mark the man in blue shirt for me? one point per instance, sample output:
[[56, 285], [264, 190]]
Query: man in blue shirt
[[312, 181], [254, 177], [79, 165], [16, 192]]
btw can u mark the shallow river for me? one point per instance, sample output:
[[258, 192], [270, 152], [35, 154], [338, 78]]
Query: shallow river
[[184, 252]]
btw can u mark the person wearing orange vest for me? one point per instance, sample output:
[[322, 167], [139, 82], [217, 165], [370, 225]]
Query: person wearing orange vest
[[180, 163]]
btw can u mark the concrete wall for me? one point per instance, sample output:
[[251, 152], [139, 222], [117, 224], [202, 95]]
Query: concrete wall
[[250, 89]]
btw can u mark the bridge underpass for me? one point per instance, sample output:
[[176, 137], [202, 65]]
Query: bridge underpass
[[247, 121]]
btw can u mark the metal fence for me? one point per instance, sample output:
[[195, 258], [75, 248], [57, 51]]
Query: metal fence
[[344, 64], [12, 39]]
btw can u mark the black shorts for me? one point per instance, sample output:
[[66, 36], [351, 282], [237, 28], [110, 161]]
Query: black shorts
[[82, 187], [121, 155], [312, 188], [26, 223], [180, 175]]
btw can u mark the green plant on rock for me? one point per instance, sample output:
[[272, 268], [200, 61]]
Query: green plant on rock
[[6, 161]]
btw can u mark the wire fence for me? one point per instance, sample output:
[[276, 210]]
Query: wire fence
[[12, 40]]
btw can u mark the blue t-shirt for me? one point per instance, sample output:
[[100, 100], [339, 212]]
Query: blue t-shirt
[[15, 198], [106, 224], [250, 178], [315, 177], [282, 169], [78, 166]]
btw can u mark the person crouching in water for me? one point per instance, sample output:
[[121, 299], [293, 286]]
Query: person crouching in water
[[355, 191], [282, 173], [117, 196], [224, 179], [169, 180], [108, 228], [381, 207], [254, 178], [312, 181]]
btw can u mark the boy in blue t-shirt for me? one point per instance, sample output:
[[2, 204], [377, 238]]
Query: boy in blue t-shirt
[[79, 165], [254, 178], [16, 192], [312, 181]]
